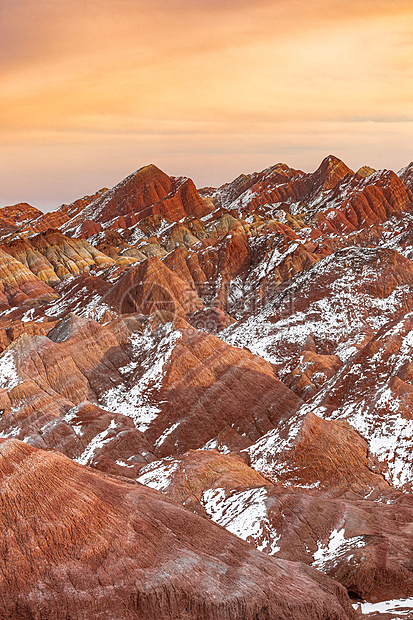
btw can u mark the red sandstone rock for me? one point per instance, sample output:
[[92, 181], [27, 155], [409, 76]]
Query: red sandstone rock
[[16, 217], [19, 286], [309, 452], [103, 557], [366, 545], [311, 271], [281, 184], [150, 376], [147, 192], [152, 287]]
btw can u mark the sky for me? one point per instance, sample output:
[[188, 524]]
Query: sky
[[92, 90]]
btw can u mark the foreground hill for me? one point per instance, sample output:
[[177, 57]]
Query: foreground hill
[[80, 544]]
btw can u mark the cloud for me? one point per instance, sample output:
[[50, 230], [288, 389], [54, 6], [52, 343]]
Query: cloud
[[80, 75]]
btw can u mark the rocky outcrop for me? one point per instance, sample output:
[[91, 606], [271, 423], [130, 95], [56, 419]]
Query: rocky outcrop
[[281, 184], [19, 286], [25, 219], [373, 392], [216, 386], [186, 478], [309, 452], [152, 287], [150, 375], [53, 257], [17, 217], [332, 309], [11, 330]]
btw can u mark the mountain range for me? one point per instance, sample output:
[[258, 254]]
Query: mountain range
[[206, 399]]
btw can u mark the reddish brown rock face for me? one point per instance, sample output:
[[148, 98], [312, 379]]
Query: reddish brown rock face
[[19, 286], [104, 557], [15, 217], [366, 545], [152, 287], [52, 257], [151, 376], [148, 192], [247, 351], [310, 452]]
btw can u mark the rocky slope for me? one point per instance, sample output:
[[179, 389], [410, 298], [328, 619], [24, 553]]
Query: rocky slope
[[78, 543], [246, 351], [366, 545]]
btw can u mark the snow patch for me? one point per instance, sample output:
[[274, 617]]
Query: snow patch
[[336, 546], [244, 514], [159, 474], [97, 442], [9, 374], [149, 360], [401, 607]]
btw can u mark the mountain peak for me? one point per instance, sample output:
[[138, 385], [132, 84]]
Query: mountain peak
[[148, 171], [366, 171], [406, 175], [330, 172]]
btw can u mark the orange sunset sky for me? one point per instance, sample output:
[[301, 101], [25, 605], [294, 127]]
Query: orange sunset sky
[[92, 90]]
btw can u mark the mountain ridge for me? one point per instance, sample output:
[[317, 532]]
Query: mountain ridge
[[243, 350]]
